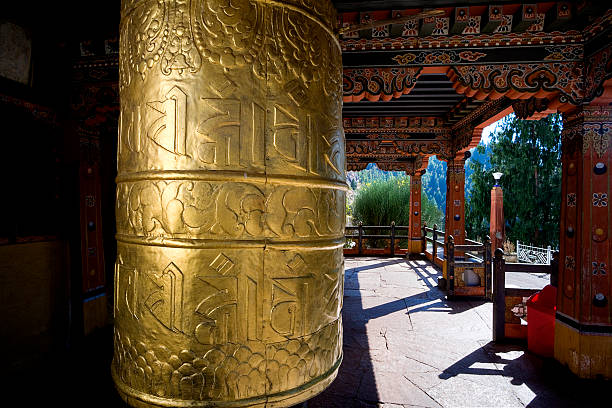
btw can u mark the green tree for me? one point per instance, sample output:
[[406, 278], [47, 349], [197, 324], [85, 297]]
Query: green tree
[[528, 153], [430, 213]]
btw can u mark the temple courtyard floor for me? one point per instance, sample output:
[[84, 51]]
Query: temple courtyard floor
[[405, 345]]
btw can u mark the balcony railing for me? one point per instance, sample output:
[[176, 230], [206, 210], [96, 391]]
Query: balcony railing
[[431, 245], [364, 235]]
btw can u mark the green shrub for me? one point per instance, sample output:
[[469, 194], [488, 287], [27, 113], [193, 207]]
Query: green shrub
[[383, 201], [380, 202]]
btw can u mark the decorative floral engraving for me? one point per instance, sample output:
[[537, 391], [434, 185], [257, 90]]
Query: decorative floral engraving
[[599, 268], [600, 199], [598, 140], [197, 209]]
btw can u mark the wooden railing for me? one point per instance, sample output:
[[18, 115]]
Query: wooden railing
[[432, 235], [504, 299], [359, 234], [473, 256]]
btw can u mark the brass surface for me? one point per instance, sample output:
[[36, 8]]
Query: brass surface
[[230, 203]]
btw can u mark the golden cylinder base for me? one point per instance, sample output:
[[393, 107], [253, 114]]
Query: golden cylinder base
[[291, 397]]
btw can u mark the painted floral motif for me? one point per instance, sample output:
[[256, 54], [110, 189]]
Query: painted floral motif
[[600, 199], [350, 34], [438, 57], [570, 262], [538, 25], [599, 141], [441, 27], [599, 268], [473, 26], [380, 32], [505, 26], [411, 28], [571, 200], [564, 52]]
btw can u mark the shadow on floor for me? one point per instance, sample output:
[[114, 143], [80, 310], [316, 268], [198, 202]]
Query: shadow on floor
[[552, 384], [82, 378]]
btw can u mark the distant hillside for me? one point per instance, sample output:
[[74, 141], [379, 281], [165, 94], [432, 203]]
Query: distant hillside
[[434, 180], [371, 173]]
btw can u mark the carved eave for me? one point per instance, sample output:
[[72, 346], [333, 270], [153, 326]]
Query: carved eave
[[411, 165], [467, 132]]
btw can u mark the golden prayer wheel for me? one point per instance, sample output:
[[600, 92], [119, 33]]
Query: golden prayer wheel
[[230, 203]]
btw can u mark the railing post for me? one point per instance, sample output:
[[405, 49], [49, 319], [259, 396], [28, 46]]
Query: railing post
[[434, 250], [554, 269], [548, 254], [517, 251], [499, 296], [360, 242], [424, 238], [488, 266], [392, 238], [450, 265]]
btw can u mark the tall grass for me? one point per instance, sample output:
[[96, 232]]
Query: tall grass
[[383, 201]]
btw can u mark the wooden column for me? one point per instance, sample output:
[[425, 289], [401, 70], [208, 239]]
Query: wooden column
[[496, 229], [583, 329], [414, 245], [455, 199]]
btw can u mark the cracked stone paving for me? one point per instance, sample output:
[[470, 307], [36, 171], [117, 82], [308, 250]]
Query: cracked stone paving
[[405, 345]]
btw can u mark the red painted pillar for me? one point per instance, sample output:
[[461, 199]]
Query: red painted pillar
[[496, 229], [583, 329], [454, 223], [414, 245]]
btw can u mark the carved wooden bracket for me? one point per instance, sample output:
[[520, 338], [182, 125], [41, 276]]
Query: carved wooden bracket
[[378, 83], [395, 148], [527, 108], [515, 80]]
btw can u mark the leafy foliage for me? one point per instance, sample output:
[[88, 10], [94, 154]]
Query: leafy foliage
[[529, 155], [431, 213], [383, 201]]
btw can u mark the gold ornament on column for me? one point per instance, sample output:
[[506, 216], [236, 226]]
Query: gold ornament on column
[[230, 203]]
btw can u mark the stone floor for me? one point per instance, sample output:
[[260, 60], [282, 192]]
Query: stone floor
[[405, 345]]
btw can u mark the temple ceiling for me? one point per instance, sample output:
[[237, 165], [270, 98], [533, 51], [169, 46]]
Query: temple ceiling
[[425, 86], [429, 85]]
